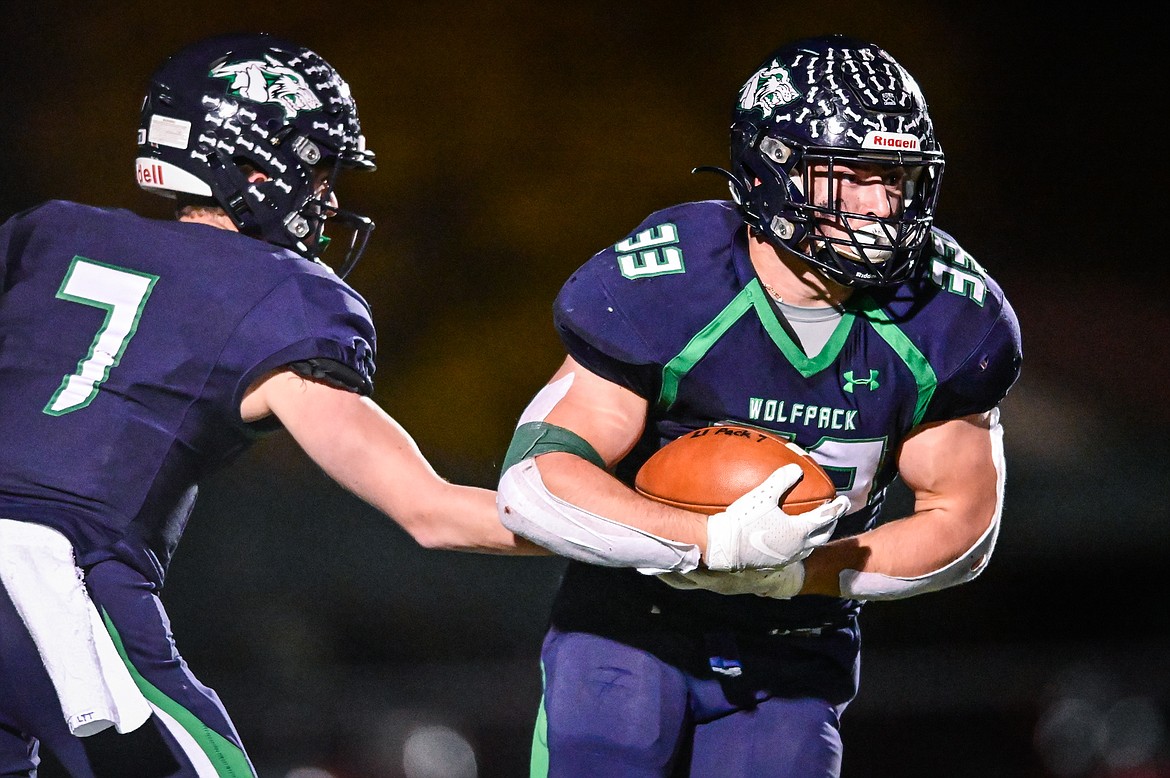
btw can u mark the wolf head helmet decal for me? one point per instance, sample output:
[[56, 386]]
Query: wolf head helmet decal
[[268, 81]]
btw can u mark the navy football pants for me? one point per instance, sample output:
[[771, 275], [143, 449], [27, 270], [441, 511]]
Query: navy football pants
[[613, 710], [189, 734]]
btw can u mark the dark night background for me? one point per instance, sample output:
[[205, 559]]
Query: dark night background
[[514, 139]]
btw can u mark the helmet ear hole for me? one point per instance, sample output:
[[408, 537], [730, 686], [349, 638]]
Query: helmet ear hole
[[783, 228], [306, 150], [775, 150]]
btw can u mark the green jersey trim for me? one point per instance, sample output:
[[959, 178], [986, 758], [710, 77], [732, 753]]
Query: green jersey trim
[[751, 297]]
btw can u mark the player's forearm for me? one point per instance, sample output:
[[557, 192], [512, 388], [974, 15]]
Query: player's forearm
[[389, 473], [956, 472], [586, 486], [912, 548], [461, 518], [368, 453]]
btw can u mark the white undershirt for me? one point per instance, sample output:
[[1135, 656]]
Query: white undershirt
[[813, 326]]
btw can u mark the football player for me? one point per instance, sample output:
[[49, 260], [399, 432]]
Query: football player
[[819, 302], [138, 356]]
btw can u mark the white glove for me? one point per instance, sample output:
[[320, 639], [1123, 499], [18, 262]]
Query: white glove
[[780, 584], [755, 532]]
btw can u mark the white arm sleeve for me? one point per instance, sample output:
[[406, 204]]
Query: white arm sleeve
[[877, 586], [530, 510]]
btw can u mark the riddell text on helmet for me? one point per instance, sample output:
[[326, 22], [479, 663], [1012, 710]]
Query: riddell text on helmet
[[152, 175], [890, 140]]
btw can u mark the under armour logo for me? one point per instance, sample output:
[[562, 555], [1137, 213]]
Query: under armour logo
[[851, 381]]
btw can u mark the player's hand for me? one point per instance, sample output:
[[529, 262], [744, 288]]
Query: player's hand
[[755, 532], [781, 583]]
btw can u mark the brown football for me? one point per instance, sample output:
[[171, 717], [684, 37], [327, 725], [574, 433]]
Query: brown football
[[706, 470]]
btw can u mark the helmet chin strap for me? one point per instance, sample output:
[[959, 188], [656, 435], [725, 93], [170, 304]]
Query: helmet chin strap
[[237, 207], [734, 184], [827, 259]]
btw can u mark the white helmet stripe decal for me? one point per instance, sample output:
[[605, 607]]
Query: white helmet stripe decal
[[155, 174]]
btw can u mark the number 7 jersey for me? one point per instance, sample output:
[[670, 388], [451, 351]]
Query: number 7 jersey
[[126, 346]]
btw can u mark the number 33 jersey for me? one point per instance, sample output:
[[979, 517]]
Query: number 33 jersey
[[676, 313], [126, 346]]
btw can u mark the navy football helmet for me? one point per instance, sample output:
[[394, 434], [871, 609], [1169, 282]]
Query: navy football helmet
[[229, 105], [825, 103]]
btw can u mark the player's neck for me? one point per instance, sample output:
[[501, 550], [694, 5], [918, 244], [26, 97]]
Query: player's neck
[[212, 217], [791, 281]]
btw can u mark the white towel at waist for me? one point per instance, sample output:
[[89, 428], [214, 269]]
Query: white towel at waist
[[93, 685]]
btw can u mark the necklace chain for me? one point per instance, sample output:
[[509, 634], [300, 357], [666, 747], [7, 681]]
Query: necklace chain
[[775, 295]]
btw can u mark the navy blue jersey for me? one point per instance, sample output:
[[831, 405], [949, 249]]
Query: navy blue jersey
[[126, 346], [676, 313]]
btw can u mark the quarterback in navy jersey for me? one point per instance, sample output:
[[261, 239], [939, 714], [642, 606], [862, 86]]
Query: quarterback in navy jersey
[[821, 303], [137, 356]]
